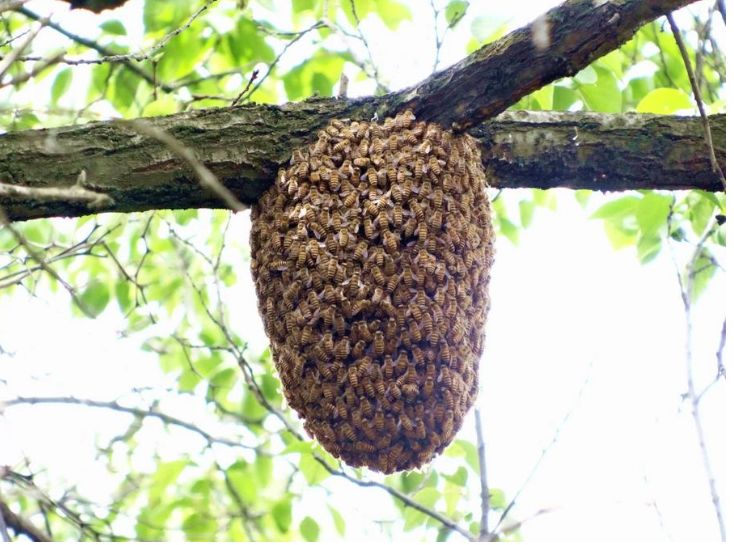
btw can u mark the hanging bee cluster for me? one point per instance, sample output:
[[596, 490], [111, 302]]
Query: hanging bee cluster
[[371, 257]]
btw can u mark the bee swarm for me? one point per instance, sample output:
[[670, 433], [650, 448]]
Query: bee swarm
[[371, 258]]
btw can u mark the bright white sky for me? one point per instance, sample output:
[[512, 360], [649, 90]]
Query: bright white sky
[[566, 310]]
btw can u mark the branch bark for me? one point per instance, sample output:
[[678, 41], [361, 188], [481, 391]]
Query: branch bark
[[499, 74], [244, 147]]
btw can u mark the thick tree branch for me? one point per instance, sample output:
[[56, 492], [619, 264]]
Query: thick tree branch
[[244, 146], [502, 72]]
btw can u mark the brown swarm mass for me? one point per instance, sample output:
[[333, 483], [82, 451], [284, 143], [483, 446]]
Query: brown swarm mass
[[371, 256]]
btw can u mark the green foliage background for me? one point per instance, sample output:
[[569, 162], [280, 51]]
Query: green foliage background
[[133, 264]]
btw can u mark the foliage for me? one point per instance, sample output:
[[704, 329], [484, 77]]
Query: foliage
[[173, 275]]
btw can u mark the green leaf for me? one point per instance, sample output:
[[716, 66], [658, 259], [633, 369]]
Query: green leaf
[[526, 212], [510, 230], [164, 105], [652, 212], [604, 95], [563, 97], [410, 481], [199, 527], [703, 269], [114, 27], [164, 476], [247, 45], [648, 246], [224, 378], [470, 453], [392, 13], [282, 515], [455, 11], [586, 76], [309, 529], [459, 477], [123, 290], [497, 498], [61, 84], [339, 524], [164, 14], [665, 101], [618, 207], [311, 469], [263, 469], [95, 297]]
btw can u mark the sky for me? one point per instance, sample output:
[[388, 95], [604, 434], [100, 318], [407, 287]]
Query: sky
[[578, 336]]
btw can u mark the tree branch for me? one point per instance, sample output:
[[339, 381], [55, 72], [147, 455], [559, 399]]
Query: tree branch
[[502, 72], [244, 146], [20, 525]]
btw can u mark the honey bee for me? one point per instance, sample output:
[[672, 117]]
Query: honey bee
[[392, 283], [410, 390], [378, 146], [379, 343], [434, 165], [292, 186], [431, 245], [358, 350], [417, 210], [372, 208], [369, 228], [422, 231], [392, 174], [306, 335], [343, 238], [342, 349], [353, 377], [372, 176], [388, 367], [302, 170], [415, 332], [353, 285], [379, 420], [364, 148], [378, 276], [410, 138], [301, 255], [369, 388], [348, 433], [393, 142], [340, 146], [397, 216], [428, 386], [362, 162], [390, 242], [419, 167], [340, 325], [418, 356], [350, 199]]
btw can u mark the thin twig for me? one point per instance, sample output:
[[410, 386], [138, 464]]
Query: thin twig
[[37, 69], [686, 292], [720, 368], [10, 58], [539, 461], [484, 534], [205, 176], [73, 194], [271, 66], [407, 500], [4, 221], [253, 76], [139, 413], [363, 39], [699, 101]]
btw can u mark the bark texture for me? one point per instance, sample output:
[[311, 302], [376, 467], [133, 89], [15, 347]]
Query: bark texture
[[245, 146], [559, 43]]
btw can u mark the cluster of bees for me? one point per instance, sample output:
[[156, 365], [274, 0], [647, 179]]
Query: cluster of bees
[[371, 256]]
